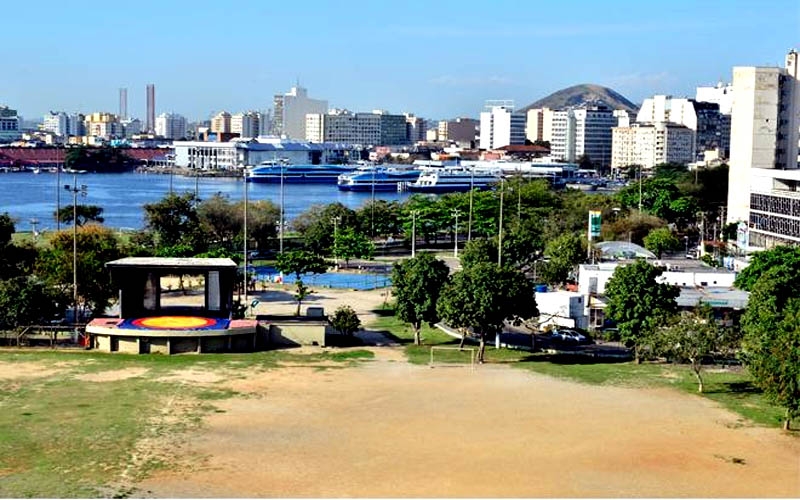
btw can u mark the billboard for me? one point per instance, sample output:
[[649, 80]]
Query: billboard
[[594, 224]]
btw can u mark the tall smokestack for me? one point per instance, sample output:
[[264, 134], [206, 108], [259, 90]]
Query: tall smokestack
[[123, 104], [151, 107]]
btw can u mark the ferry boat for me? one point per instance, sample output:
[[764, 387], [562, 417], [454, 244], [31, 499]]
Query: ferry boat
[[295, 174], [453, 180], [376, 178]]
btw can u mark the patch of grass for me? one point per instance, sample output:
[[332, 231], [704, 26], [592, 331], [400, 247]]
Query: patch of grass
[[732, 389], [432, 336], [351, 355]]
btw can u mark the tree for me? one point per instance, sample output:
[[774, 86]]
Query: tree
[[771, 343], [300, 262], [96, 245], [263, 219], [345, 320], [783, 258], [694, 336], [220, 220], [417, 285], [348, 244], [381, 218], [661, 240], [660, 196], [26, 300], [638, 303], [317, 224], [84, 213], [176, 225], [482, 298], [564, 253], [478, 251]]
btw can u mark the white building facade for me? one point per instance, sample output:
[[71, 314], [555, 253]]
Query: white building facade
[[764, 179], [584, 131], [56, 122], [290, 110], [171, 126], [648, 145], [246, 124], [500, 126]]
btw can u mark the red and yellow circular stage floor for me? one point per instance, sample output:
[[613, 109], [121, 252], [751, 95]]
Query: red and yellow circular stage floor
[[176, 323]]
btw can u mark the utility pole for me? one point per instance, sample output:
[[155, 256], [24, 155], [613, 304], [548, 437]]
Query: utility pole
[[75, 189], [500, 227], [471, 188], [246, 281], [413, 233], [455, 214]]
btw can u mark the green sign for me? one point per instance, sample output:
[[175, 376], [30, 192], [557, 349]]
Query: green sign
[[594, 224]]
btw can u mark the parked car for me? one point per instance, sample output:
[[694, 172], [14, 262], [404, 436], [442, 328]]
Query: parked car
[[569, 336]]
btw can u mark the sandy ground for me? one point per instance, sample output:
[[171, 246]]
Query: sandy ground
[[390, 429]]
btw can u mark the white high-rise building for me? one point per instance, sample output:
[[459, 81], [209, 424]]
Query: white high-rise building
[[764, 179], [500, 126], [721, 94], [583, 131], [171, 126], [56, 122], [246, 124], [366, 129], [648, 145], [290, 110]]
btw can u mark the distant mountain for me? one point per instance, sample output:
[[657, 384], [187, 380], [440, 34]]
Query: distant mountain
[[586, 93]]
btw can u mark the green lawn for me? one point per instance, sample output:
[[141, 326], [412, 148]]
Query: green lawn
[[732, 388], [65, 437]]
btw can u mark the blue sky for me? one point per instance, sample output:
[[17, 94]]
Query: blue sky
[[436, 58]]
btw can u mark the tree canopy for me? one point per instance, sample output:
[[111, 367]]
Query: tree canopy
[[300, 262], [661, 240], [417, 285], [638, 303], [349, 244], [782, 259], [482, 298], [84, 214]]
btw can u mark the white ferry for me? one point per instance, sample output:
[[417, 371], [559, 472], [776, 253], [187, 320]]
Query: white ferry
[[376, 179], [453, 180]]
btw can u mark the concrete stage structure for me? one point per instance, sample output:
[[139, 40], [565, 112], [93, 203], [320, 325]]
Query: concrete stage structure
[[145, 325]]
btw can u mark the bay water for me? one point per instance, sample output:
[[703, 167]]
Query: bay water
[[27, 196]]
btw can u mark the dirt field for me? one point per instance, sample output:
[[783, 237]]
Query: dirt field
[[390, 429]]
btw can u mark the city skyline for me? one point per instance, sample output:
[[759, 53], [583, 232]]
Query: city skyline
[[438, 61]]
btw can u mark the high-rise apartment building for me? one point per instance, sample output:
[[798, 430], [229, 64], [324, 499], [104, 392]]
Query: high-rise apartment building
[[10, 124], [648, 145], [123, 104], [104, 126], [76, 124], [151, 108], [721, 95], [534, 124], [133, 126], [501, 126], [56, 122], [171, 126], [462, 131], [290, 110], [246, 124], [368, 129], [764, 178], [712, 128], [221, 123], [578, 132], [415, 128]]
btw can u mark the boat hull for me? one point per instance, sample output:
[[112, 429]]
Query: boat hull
[[367, 188], [296, 179], [447, 188]]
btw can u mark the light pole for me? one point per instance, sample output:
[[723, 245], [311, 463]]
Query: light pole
[[372, 204], [640, 188], [282, 202], [58, 195], [75, 189], [471, 188], [244, 228], [500, 226], [335, 221], [414, 233], [455, 214]]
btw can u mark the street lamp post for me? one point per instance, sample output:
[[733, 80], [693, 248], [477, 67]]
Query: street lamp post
[[414, 233], [282, 209], [500, 226], [75, 189], [471, 188], [335, 221], [455, 214], [58, 196], [640, 188], [244, 229]]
